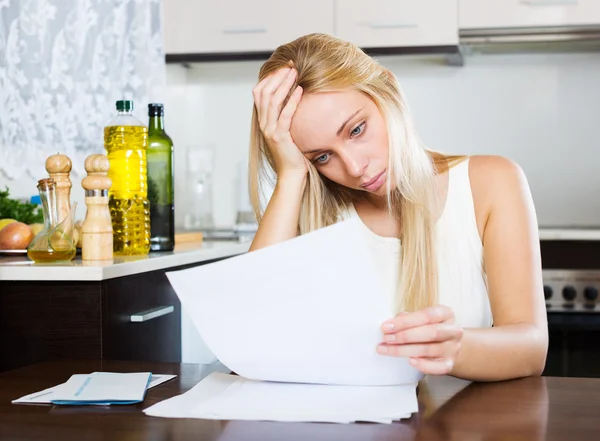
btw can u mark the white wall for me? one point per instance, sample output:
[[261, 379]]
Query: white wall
[[211, 105], [541, 110]]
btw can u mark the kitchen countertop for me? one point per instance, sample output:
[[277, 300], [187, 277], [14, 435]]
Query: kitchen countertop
[[17, 268]]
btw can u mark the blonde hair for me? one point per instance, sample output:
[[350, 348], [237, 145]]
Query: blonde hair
[[325, 63]]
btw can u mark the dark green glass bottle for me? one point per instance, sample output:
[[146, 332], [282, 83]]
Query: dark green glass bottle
[[160, 182]]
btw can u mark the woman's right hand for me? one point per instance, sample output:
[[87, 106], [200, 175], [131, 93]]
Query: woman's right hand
[[275, 120]]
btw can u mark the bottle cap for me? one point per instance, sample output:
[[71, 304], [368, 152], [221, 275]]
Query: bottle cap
[[58, 163], [124, 105], [156, 109], [46, 184]]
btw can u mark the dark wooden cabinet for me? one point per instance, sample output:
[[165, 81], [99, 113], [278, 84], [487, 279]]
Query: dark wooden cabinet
[[154, 339], [49, 320], [42, 321]]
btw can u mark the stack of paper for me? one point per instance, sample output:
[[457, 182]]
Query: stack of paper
[[229, 397], [98, 388], [307, 311]]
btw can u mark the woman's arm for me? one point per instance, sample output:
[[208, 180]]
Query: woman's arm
[[517, 344], [280, 221]]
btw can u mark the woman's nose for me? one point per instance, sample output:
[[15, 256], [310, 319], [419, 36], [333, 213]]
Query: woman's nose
[[355, 165]]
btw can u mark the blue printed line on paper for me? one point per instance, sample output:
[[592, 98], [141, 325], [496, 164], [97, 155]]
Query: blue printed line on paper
[[83, 386]]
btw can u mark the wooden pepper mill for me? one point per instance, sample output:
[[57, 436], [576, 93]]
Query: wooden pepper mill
[[59, 168], [97, 232]]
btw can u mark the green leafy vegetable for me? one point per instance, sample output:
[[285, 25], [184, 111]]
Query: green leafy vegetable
[[25, 212]]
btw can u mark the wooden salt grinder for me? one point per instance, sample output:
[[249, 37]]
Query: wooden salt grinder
[[97, 240], [59, 168]]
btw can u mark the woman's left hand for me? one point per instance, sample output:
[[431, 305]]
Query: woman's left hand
[[428, 338]]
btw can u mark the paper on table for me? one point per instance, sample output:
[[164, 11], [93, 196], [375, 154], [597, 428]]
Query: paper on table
[[47, 395], [306, 310], [179, 406], [159, 379], [229, 397], [104, 388]]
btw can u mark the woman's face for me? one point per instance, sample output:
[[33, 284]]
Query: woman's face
[[344, 136]]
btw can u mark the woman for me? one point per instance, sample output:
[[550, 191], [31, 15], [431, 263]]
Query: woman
[[454, 237]]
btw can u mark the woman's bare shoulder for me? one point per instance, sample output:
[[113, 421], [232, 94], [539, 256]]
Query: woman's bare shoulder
[[485, 170], [497, 183]]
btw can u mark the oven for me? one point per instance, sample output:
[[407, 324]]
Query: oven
[[571, 272]]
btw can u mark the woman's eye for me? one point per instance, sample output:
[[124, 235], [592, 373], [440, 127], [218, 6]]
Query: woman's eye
[[322, 159], [357, 130]]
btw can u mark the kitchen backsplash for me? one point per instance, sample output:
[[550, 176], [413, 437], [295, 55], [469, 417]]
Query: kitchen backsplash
[[541, 110]]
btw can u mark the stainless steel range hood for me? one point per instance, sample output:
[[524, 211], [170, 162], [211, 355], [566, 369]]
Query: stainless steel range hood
[[530, 40]]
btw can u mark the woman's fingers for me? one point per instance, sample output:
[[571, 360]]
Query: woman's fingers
[[275, 119], [406, 320], [266, 95], [285, 119], [420, 350], [437, 332], [257, 94], [276, 102]]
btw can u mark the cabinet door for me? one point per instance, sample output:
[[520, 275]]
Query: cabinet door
[[42, 321], [142, 319], [386, 23], [475, 14], [208, 26]]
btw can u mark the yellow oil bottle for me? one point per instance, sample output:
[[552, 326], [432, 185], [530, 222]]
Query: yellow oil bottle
[[125, 142]]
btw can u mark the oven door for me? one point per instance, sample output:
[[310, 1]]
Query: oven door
[[571, 271]]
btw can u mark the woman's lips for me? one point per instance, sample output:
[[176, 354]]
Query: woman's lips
[[375, 183]]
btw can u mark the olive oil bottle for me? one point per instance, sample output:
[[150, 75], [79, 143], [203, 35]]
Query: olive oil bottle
[[126, 142], [160, 181]]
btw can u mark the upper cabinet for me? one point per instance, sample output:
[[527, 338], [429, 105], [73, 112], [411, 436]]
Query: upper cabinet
[[397, 23], [208, 26], [210, 29], [474, 14]]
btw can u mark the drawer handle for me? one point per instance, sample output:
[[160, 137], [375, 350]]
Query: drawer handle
[[150, 314], [392, 25], [549, 2], [245, 30]]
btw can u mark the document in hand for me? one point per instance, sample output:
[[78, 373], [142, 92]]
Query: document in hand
[[299, 322], [307, 310]]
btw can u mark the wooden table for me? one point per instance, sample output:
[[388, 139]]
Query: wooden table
[[543, 408]]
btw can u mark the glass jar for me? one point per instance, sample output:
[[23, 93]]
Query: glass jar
[[200, 163], [55, 242]]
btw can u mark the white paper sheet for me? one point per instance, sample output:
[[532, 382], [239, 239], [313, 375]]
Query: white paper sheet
[[179, 406], [307, 310], [229, 397], [47, 395], [104, 388]]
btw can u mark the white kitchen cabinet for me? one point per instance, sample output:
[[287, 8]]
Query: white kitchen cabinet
[[389, 23], [226, 26], [475, 14]]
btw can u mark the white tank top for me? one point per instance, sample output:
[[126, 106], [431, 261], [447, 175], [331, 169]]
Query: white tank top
[[462, 282]]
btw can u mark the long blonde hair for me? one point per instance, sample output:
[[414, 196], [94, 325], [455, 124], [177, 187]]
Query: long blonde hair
[[325, 63]]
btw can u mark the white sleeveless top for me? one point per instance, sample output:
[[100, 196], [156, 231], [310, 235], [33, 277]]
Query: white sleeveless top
[[462, 282]]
